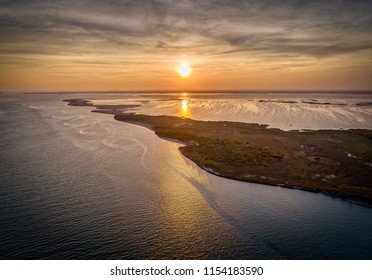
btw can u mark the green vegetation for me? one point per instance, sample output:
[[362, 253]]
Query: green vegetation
[[337, 162]]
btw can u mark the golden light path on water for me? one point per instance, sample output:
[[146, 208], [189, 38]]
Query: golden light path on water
[[146, 200], [184, 109]]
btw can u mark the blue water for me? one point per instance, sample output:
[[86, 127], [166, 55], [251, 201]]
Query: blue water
[[80, 185]]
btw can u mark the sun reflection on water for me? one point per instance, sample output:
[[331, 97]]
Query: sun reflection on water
[[184, 108]]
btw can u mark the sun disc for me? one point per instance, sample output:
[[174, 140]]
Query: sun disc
[[184, 70]]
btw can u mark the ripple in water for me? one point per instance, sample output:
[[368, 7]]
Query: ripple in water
[[120, 192]]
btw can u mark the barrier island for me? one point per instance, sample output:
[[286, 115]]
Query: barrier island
[[335, 162]]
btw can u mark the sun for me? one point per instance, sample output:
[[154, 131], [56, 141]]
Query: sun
[[184, 70]]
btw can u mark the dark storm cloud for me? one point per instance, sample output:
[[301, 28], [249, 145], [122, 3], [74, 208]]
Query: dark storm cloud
[[220, 27]]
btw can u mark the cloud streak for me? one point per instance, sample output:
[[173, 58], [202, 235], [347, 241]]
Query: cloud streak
[[300, 27], [276, 30]]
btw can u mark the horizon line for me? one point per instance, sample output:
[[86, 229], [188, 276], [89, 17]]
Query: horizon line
[[196, 91]]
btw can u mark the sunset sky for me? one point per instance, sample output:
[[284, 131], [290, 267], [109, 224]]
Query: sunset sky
[[138, 45]]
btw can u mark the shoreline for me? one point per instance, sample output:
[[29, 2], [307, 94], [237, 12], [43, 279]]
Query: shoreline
[[313, 161], [211, 171], [150, 127]]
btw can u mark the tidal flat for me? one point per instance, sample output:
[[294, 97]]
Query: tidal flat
[[335, 162]]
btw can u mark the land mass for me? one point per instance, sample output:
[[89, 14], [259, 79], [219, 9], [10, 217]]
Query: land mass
[[335, 162]]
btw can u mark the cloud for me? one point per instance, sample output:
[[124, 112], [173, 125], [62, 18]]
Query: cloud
[[201, 28]]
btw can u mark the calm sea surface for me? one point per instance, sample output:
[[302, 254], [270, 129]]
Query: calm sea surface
[[80, 185]]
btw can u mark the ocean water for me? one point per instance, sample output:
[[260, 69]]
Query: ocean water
[[80, 185], [281, 110]]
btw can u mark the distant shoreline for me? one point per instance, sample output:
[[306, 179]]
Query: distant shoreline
[[334, 162], [155, 91]]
